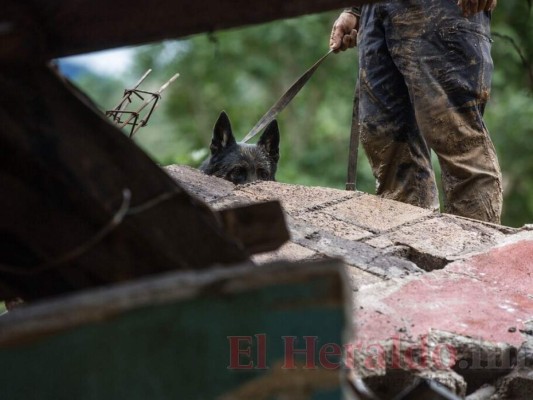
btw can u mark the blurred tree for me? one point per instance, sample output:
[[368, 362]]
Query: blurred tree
[[509, 115], [244, 71]]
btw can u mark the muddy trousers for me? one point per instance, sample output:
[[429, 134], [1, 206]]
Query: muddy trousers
[[424, 79]]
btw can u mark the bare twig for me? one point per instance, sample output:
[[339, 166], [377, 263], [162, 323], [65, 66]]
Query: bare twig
[[525, 62]]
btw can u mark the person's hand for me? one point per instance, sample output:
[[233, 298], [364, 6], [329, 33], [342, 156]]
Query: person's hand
[[471, 7], [344, 32]]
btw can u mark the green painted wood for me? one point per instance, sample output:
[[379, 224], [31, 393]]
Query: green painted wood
[[177, 348]]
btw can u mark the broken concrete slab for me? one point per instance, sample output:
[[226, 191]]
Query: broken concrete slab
[[517, 385], [293, 252], [436, 241], [333, 225], [525, 353], [375, 214], [400, 384], [516, 236], [391, 367], [462, 364], [471, 314], [229, 202], [477, 361], [331, 222], [469, 318], [354, 253], [477, 297], [485, 392]]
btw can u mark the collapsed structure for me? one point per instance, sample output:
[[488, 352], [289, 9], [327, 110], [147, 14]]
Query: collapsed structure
[[143, 283], [435, 295]]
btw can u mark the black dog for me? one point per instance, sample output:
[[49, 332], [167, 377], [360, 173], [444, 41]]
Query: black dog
[[240, 162]]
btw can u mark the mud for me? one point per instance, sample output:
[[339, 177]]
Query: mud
[[425, 76]]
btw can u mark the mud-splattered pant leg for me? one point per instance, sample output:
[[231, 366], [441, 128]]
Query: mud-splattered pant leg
[[425, 75]]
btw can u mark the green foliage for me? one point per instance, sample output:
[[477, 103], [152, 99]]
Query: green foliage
[[105, 92], [509, 114], [244, 71], [510, 121]]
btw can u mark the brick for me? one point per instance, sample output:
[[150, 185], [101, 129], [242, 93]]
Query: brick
[[329, 223], [380, 242], [230, 202], [435, 242], [354, 253], [376, 214], [294, 198], [289, 252], [207, 188]]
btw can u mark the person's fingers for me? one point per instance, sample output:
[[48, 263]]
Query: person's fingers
[[469, 7], [462, 5], [473, 7], [346, 42], [354, 37], [349, 41], [342, 26], [335, 40]]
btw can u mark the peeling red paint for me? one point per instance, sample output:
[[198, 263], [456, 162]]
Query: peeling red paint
[[483, 297]]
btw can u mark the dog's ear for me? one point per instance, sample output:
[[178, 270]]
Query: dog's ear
[[222, 134], [270, 140]]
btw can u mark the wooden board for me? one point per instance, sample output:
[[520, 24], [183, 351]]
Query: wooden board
[[171, 337], [45, 29], [67, 224]]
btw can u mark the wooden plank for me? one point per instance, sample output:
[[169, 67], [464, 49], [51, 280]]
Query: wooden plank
[[55, 28], [259, 227], [67, 222], [174, 336], [207, 188]]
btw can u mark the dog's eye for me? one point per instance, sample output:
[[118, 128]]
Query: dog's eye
[[263, 174], [238, 175]]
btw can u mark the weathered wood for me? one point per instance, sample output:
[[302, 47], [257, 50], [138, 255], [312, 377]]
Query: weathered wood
[[65, 176], [169, 337], [205, 187], [55, 28], [259, 227]]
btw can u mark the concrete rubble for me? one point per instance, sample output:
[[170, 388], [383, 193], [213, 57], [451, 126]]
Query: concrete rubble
[[436, 296]]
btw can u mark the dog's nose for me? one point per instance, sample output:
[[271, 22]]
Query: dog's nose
[[252, 176]]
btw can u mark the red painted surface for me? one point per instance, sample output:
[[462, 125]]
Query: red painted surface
[[482, 297]]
